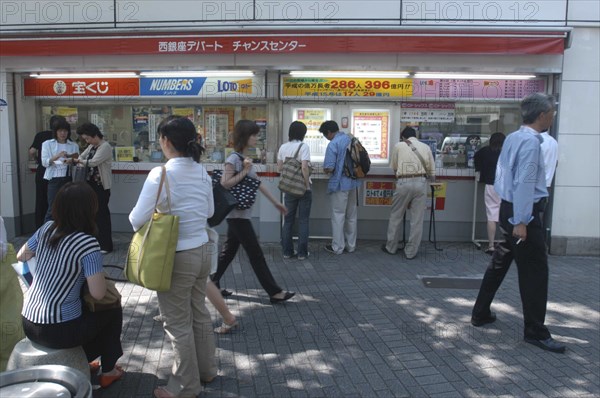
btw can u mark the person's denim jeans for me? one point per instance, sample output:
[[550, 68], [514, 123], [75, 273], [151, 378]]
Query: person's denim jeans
[[301, 205]]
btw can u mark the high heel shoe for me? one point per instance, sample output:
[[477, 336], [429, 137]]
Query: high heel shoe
[[106, 380], [286, 297]]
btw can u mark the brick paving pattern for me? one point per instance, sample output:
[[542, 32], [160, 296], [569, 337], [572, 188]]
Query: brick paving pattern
[[363, 325]]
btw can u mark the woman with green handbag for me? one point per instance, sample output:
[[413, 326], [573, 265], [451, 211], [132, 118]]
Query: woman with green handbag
[[184, 314]]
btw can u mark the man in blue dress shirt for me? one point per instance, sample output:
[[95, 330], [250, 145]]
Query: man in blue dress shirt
[[521, 183], [342, 190]]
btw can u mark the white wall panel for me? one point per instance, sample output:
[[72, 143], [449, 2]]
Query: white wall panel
[[55, 14], [149, 11], [576, 212], [584, 10], [579, 106], [497, 12], [578, 161], [582, 59], [334, 11], [262, 12], [19, 15]]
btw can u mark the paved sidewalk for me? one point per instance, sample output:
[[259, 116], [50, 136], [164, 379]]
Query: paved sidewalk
[[364, 325]]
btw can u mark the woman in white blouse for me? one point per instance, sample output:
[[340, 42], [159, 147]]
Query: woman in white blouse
[[57, 156], [185, 316]]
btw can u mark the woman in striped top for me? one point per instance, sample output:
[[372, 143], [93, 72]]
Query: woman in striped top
[[68, 256]]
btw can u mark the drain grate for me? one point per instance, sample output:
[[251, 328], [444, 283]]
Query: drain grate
[[451, 282]]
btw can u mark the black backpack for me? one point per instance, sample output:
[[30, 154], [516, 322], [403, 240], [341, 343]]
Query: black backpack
[[356, 162]]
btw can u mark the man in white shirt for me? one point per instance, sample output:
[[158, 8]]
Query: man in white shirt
[[550, 152]]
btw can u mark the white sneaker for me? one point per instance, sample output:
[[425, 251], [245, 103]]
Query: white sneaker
[[304, 257], [288, 256]]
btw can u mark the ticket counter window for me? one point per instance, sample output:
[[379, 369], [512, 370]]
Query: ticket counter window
[[135, 126], [458, 130]]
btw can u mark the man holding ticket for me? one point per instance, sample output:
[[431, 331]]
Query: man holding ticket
[[521, 184]]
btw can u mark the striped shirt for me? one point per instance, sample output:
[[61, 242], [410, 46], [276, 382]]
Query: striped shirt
[[55, 294]]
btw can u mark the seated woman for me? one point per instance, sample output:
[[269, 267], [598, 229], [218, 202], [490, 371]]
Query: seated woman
[[68, 255]]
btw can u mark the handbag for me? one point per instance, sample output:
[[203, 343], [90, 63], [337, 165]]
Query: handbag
[[244, 191], [224, 202], [151, 253], [80, 173], [112, 298], [292, 181]]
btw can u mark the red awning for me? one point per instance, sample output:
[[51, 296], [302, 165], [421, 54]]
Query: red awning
[[286, 42]]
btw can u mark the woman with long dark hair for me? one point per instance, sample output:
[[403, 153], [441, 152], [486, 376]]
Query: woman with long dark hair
[[185, 317], [68, 256], [239, 227]]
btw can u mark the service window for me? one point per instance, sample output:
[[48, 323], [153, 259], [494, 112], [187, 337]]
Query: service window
[[135, 126], [459, 129]]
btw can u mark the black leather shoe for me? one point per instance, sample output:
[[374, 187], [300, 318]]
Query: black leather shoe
[[226, 293], [385, 250], [286, 297], [483, 321], [549, 344]]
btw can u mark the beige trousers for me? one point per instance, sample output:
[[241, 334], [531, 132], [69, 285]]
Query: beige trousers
[[343, 220], [188, 324], [413, 192]]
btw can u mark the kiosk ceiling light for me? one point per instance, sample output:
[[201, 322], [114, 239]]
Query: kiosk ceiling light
[[348, 74], [201, 73], [90, 75], [438, 75]]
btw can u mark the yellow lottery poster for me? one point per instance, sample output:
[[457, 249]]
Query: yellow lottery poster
[[439, 192], [124, 153], [312, 117], [67, 112], [298, 87], [184, 112]]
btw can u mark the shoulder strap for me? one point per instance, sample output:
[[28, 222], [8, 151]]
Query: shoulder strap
[[298, 150], [163, 179], [414, 149]]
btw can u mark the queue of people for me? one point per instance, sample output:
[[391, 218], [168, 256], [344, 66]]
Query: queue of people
[[68, 246]]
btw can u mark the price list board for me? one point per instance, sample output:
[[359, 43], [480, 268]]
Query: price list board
[[468, 89], [431, 112]]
